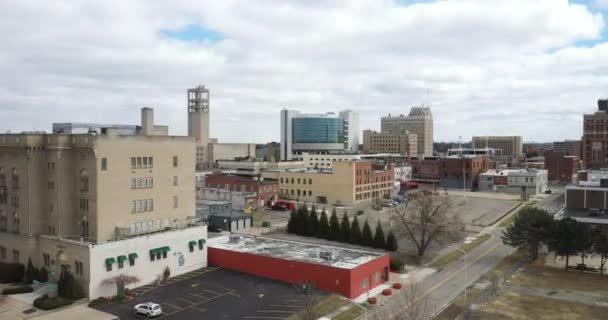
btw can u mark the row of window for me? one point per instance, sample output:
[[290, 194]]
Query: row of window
[[14, 181], [142, 183], [4, 223], [84, 204], [298, 180], [145, 205], [377, 277], [142, 162], [296, 192], [3, 254]]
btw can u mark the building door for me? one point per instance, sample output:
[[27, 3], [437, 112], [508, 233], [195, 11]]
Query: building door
[[385, 274]]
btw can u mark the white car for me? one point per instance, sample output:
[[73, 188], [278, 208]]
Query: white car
[[148, 309]]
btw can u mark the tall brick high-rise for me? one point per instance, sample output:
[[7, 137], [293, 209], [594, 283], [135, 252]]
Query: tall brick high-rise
[[595, 137]]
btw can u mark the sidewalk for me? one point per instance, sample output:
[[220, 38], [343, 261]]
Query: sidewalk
[[78, 312]]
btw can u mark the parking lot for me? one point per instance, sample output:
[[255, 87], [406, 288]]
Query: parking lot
[[218, 294]]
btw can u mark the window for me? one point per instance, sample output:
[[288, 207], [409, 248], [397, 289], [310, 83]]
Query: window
[[175, 180], [104, 164], [152, 256], [78, 267], [309, 181], [377, 277], [121, 263], [2, 253], [133, 183], [15, 255], [131, 260], [46, 259], [175, 202], [364, 283], [150, 182], [164, 254], [108, 267], [139, 206], [138, 162], [200, 244], [133, 206], [133, 163], [145, 162], [175, 162], [84, 183], [150, 162], [15, 201], [281, 180], [191, 247]]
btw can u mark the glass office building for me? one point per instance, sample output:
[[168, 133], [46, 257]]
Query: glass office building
[[318, 130]]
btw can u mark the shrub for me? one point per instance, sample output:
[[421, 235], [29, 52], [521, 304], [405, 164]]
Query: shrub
[[119, 298], [372, 300], [11, 272], [69, 288], [379, 240], [366, 235], [266, 224], [334, 226], [46, 303], [396, 265], [99, 301], [166, 273], [291, 225], [30, 272], [397, 286], [43, 276], [17, 290], [130, 293], [386, 292]]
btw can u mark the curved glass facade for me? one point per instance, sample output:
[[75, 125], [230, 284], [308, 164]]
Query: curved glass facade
[[318, 130]]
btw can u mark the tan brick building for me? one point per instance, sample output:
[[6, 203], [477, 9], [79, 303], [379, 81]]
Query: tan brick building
[[67, 198], [348, 183], [377, 142], [509, 149], [419, 122]]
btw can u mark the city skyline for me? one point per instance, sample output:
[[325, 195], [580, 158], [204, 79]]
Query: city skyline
[[375, 58]]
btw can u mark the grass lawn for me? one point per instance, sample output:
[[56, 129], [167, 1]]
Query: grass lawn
[[551, 278], [457, 307], [349, 314], [506, 264], [444, 260], [509, 220], [326, 306], [508, 305]]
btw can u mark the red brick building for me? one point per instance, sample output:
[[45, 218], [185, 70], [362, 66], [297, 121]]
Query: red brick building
[[373, 180], [595, 137], [449, 171], [561, 167], [265, 190], [348, 272]]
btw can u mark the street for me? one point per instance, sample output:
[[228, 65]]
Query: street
[[441, 288]]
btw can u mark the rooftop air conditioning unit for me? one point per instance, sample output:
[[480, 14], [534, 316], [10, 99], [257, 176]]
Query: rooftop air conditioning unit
[[325, 255]]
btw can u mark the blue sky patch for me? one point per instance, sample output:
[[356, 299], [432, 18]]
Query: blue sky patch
[[193, 33]]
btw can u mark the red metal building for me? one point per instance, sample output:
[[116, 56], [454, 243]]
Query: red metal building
[[348, 272]]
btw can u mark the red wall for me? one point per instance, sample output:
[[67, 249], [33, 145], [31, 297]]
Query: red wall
[[343, 281], [368, 270]]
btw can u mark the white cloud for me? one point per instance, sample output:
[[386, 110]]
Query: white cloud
[[489, 66]]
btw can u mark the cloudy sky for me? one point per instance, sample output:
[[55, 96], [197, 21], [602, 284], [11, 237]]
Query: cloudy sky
[[527, 67]]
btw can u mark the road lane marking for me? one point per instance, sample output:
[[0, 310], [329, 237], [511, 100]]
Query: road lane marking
[[262, 317], [285, 306], [199, 309], [233, 294], [441, 283], [275, 311]]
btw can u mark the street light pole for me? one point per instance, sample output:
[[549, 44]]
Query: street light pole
[[465, 271]]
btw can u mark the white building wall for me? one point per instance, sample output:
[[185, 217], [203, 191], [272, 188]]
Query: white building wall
[[179, 259]]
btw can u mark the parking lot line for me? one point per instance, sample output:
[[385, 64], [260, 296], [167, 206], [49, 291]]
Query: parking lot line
[[192, 302], [198, 296], [285, 305], [172, 306], [214, 285], [233, 294], [275, 311], [262, 317], [213, 292], [199, 309]]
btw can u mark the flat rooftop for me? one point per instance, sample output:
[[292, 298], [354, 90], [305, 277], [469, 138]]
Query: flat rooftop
[[298, 251], [582, 215]]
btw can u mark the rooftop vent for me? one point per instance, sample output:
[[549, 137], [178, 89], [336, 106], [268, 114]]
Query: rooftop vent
[[325, 255], [234, 239]]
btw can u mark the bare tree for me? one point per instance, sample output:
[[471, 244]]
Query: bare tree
[[120, 281], [425, 218], [310, 297], [415, 307]]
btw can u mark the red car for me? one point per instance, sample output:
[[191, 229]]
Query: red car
[[288, 205], [410, 184]]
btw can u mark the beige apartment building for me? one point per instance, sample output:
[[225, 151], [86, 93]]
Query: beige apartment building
[[508, 148], [65, 199], [346, 184], [377, 142], [418, 122]]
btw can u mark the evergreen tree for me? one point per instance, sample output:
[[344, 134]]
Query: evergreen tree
[[291, 225], [344, 228], [355, 232], [30, 273], [44, 275], [391, 242], [565, 238], [334, 226], [532, 226], [313, 224], [366, 235], [302, 221], [379, 240], [324, 226]]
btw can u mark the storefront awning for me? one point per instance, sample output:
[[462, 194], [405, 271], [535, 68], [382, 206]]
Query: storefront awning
[[122, 259], [165, 249], [203, 241], [154, 251], [192, 243], [110, 261], [132, 255]]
